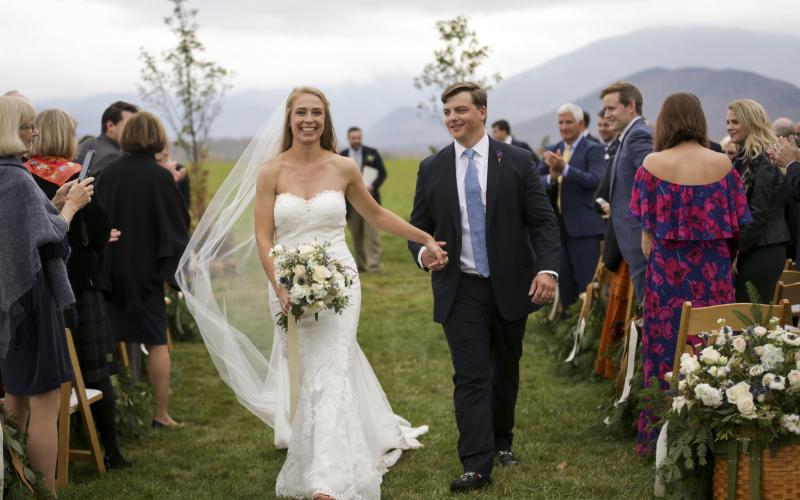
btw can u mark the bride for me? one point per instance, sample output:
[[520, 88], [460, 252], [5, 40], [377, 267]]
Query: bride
[[344, 435]]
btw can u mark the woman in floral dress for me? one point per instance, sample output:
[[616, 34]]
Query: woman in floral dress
[[691, 205]]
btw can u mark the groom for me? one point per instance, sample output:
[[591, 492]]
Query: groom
[[484, 199]]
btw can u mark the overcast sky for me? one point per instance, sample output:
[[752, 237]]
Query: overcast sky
[[75, 48]]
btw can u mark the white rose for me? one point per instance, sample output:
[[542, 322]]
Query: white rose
[[708, 395], [742, 389], [739, 344], [746, 406], [689, 363], [723, 360], [682, 385], [321, 273], [713, 371], [768, 378], [298, 293], [759, 350], [791, 422], [305, 251], [299, 269], [710, 356], [760, 331], [756, 370], [794, 379], [723, 371]]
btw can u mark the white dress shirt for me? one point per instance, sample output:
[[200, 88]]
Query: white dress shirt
[[356, 155], [467, 263]]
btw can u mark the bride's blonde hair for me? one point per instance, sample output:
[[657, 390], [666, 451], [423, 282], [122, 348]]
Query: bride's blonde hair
[[328, 139], [755, 121]]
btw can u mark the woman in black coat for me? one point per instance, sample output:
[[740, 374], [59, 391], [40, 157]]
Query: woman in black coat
[[762, 243], [143, 202], [34, 288]]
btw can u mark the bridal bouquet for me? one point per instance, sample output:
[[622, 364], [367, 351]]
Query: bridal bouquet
[[743, 384], [315, 280]]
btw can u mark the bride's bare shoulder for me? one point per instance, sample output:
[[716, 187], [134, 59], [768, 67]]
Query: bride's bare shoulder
[[344, 164], [270, 170]]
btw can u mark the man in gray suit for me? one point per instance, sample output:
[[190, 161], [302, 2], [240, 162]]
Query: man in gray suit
[[622, 104]]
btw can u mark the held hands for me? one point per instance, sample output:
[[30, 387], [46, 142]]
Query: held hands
[[434, 257], [543, 288]]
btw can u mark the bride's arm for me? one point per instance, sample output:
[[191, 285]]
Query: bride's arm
[[264, 222], [377, 216]]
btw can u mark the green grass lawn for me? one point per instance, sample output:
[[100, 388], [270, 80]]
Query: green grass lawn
[[225, 452]]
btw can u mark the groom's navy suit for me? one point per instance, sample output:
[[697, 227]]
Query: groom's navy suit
[[484, 318]]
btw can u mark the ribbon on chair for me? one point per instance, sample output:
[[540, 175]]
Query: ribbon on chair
[[577, 337], [659, 490], [294, 365], [630, 350], [554, 309]]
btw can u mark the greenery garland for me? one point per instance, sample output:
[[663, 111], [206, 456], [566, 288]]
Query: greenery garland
[[182, 325], [134, 407]]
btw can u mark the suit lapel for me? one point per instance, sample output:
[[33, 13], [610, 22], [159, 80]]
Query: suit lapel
[[496, 153], [451, 185]]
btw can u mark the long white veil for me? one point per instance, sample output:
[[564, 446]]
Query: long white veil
[[224, 284]]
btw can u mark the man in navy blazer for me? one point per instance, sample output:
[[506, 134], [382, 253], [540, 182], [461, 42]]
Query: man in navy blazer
[[622, 103], [571, 171], [483, 197]]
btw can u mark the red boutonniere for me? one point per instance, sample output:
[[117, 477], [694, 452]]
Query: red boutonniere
[[499, 154]]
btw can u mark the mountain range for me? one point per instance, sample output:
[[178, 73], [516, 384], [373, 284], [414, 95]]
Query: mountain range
[[717, 64]]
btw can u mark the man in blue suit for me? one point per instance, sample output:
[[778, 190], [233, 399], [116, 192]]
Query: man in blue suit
[[622, 103], [571, 171]]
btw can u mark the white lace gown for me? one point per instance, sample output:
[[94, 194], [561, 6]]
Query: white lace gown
[[344, 436]]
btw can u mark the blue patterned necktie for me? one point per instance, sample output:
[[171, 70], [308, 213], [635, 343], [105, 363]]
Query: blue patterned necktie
[[476, 213]]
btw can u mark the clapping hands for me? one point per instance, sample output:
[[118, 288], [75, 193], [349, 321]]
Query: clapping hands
[[556, 163], [784, 152], [434, 257]]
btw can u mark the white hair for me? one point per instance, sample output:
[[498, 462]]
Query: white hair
[[572, 109]]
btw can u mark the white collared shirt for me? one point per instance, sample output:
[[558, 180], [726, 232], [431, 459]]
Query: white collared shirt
[[508, 139], [356, 155]]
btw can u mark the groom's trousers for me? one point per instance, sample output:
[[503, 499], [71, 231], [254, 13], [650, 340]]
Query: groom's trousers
[[485, 351]]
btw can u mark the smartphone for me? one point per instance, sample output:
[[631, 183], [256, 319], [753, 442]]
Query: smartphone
[[87, 160]]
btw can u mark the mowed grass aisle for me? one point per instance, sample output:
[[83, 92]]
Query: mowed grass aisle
[[225, 452]]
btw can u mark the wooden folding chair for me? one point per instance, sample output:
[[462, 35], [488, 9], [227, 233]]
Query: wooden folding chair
[[789, 264], [122, 351], [623, 373], [76, 398], [790, 277], [696, 320], [792, 294]]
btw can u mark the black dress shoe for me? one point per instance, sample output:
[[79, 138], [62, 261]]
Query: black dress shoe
[[116, 462], [505, 457], [469, 481]]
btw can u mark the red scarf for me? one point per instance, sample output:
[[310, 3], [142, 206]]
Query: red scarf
[[52, 168]]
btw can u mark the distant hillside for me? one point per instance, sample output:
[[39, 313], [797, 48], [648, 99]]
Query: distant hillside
[[716, 89]]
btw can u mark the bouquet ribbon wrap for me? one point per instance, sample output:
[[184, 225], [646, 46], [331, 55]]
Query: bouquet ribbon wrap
[[294, 366]]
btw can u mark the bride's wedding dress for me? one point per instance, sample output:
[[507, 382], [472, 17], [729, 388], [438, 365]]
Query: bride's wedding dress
[[344, 436]]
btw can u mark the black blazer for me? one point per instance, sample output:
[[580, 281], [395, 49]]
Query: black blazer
[[371, 158], [516, 203], [612, 258]]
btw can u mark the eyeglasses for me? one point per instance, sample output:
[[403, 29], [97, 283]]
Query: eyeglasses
[[29, 126]]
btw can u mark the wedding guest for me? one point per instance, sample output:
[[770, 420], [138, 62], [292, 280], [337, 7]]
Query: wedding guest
[[571, 172], [143, 202], [783, 127], [622, 104], [606, 134], [762, 244], [691, 204], [179, 173], [34, 288], [106, 145], [366, 239], [88, 235], [730, 148], [501, 131], [786, 155], [586, 131]]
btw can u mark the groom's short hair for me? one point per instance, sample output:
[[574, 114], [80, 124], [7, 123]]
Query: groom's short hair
[[477, 94]]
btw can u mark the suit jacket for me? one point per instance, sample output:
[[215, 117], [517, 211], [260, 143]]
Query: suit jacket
[[106, 151], [793, 179], [635, 145], [593, 139], [515, 203], [371, 158], [612, 258], [578, 187], [524, 145]]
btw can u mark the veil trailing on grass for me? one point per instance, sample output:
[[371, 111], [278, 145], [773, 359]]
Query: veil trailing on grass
[[224, 284]]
